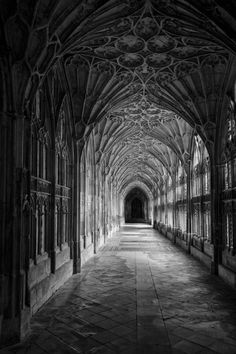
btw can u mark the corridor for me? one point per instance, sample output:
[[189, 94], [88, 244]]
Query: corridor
[[139, 294]]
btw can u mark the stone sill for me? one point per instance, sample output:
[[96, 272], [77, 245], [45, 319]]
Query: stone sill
[[39, 259], [201, 256], [227, 275]]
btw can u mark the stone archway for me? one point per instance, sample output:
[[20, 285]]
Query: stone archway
[[137, 209], [136, 206]]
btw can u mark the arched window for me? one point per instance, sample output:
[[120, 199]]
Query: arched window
[[169, 190], [206, 171], [63, 181], [228, 226], [169, 201], [40, 178], [181, 183], [159, 205], [89, 195], [229, 164], [231, 126], [196, 167], [196, 225], [181, 196], [206, 210], [230, 142], [207, 222], [229, 230], [200, 192], [228, 175]]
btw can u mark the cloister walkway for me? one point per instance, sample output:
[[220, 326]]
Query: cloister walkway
[[139, 294]]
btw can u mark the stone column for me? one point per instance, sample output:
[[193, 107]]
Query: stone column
[[234, 227], [53, 209], [109, 206], [174, 207], [95, 203], [216, 221], [166, 202], [63, 231], [41, 230], [105, 211], [189, 209], [103, 204], [14, 226], [202, 209], [76, 210]]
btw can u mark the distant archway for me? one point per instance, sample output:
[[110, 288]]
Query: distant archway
[[136, 206]]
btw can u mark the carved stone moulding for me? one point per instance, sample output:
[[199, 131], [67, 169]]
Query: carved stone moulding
[[161, 44], [184, 52], [103, 67], [229, 195], [120, 27], [215, 61], [164, 77], [159, 60], [40, 185], [58, 190], [196, 42], [229, 152], [107, 52], [63, 191], [130, 44], [66, 191], [38, 199], [185, 68], [206, 208], [131, 60], [146, 27]]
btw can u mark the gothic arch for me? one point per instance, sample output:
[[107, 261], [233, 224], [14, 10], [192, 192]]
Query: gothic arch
[[136, 206]]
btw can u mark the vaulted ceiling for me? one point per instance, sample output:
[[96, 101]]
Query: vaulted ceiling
[[142, 75]]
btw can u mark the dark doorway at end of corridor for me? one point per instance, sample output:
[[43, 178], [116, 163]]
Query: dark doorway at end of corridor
[[136, 207]]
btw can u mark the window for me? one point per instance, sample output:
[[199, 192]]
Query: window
[[196, 219], [229, 230], [206, 222], [196, 178], [231, 127], [228, 175]]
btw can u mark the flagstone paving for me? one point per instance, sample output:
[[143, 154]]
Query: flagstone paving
[[139, 294]]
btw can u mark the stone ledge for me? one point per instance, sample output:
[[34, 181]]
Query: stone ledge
[[43, 290], [62, 256], [201, 256], [100, 242], [87, 253], [227, 275], [204, 258], [170, 236], [42, 270], [229, 259], [38, 272], [181, 243], [208, 249]]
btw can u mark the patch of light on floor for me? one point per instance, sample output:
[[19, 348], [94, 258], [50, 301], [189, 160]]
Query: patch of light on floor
[[130, 233], [138, 226]]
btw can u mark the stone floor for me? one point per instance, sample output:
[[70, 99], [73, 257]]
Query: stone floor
[[139, 294]]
